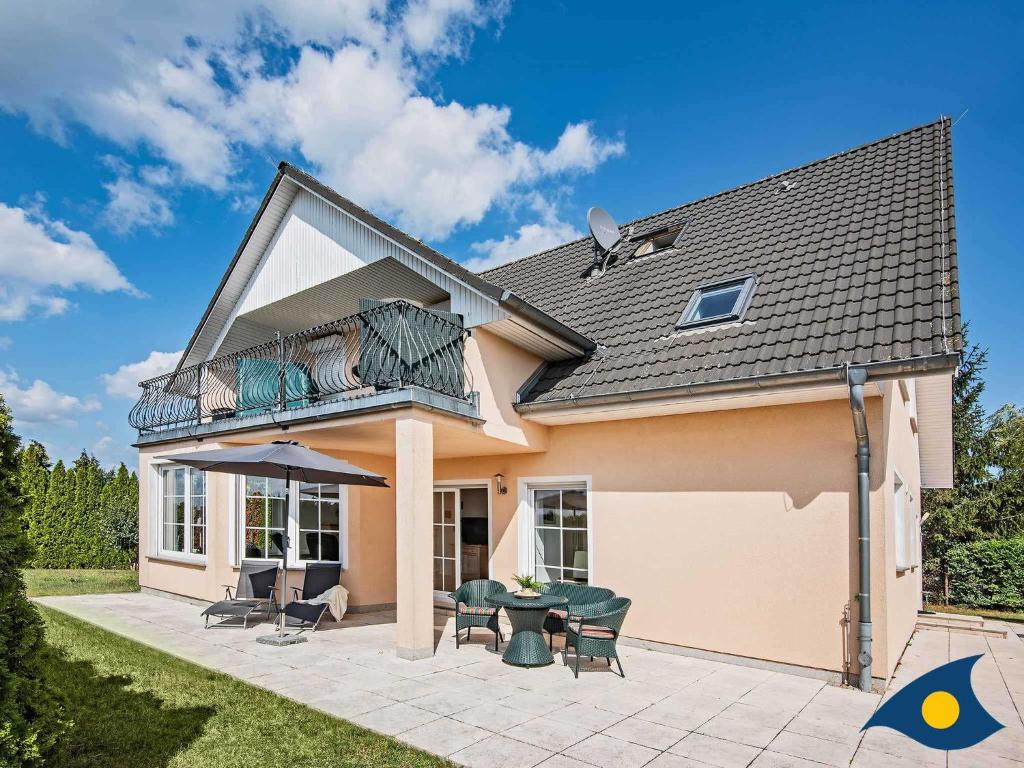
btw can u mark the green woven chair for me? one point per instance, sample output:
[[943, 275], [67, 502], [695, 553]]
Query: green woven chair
[[596, 632], [578, 595], [472, 610]]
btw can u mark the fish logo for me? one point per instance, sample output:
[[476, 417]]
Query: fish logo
[[939, 709]]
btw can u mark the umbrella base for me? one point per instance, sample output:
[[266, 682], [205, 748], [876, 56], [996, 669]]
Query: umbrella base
[[281, 639]]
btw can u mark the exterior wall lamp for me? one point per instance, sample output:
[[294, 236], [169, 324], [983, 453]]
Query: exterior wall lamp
[[499, 479]]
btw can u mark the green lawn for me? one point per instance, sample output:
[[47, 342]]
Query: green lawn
[[985, 613], [135, 706], [43, 581]]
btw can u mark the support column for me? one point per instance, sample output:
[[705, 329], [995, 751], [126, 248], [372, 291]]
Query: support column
[[414, 505]]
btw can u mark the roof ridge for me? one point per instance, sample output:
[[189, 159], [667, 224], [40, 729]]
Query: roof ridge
[[942, 119]]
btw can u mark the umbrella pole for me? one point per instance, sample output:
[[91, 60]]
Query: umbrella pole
[[284, 553]]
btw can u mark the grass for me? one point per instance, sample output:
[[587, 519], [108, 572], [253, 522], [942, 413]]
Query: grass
[[44, 581], [985, 613], [133, 705]]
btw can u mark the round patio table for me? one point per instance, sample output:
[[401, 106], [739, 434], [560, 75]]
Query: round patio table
[[526, 647]]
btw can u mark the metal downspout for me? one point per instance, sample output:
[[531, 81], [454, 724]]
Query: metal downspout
[[855, 379]]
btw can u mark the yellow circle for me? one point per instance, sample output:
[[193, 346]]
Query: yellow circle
[[940, 709]]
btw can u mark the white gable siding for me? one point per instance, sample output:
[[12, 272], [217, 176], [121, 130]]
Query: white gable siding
[[317, 242]]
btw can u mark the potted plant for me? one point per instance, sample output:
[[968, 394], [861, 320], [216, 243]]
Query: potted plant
[[529, 587]]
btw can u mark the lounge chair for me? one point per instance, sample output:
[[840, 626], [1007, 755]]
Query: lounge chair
[[578, 595], [596, 633], [319, 578], [256, 593], [472, 609]]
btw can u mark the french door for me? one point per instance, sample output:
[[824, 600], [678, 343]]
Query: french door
[[446, 541]]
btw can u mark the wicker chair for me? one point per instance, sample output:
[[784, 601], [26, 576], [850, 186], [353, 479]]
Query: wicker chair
[[596, 632], [472, 610], [578, 595]]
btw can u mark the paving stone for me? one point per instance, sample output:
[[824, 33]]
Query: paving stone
[[493, 716], [645, 733], [714, 751], [396, 718], [605, 752], [811, 748], [739, 731], [444, 736], [500, 752], [548, 734]]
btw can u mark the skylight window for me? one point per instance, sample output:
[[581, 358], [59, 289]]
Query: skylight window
[[658, 242], [720, 302]]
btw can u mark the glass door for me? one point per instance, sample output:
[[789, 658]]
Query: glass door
[[446, 537]]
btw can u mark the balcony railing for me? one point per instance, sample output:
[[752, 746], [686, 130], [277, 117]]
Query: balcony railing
[[387, 346]]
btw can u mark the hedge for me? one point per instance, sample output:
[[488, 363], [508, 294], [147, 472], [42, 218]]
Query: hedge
[[987, 574]]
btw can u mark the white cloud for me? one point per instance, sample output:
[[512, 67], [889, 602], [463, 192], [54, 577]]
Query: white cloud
[[40, 257], [197, 83], [528, 239], [133, 205], [39, 403], [124, 382]]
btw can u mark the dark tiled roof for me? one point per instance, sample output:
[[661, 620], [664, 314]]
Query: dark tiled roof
[[855, 257]]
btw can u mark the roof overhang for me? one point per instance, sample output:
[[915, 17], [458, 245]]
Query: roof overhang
[[801, 386], [555, 340]]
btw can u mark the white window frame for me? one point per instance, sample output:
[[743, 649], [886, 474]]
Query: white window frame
[[292, 523], [459, 486], [746, 284], [525, 518], [156, 515]]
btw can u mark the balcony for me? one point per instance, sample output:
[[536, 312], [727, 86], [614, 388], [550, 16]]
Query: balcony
[[389, 347]]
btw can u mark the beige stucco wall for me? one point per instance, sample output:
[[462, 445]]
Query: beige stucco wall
[[733, 531], [902, 588]]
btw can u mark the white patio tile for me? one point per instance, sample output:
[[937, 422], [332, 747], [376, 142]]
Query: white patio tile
[[586, 716], [811, 748], [494, 716], [606, 752], [824, 728], [447, 702], [535, 702], [740, 731], [500, 752], [561, 761], [444, 736], [668, 760], [407, 689], [350, 704], [777, 760], [645, 733], [394, 719], [548, 734], [713, 751]]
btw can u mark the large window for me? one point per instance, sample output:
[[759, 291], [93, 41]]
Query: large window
[[560, 541], [183, 510], [311, 519], [319, 522], [265, 517]]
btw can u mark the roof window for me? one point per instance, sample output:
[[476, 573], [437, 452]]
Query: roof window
[[719, 302], [658, 242]]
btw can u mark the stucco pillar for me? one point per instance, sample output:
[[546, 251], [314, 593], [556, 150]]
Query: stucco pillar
[[414, 504]]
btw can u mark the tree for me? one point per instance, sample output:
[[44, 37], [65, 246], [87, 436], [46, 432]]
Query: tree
[[119, 502], [53, 548], [33, 477], [30, 719]]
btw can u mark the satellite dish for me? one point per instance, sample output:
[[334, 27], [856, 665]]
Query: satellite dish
[[603, 228]]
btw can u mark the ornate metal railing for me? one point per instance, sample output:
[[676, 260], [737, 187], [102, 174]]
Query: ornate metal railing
[[386, 346]]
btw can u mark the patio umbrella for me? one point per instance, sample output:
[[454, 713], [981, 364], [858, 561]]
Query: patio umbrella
[[281, 459]]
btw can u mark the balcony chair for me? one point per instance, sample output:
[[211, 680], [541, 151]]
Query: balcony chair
[[596, 633], [256, 593], [579, 596], [319, 578], [472, 610]]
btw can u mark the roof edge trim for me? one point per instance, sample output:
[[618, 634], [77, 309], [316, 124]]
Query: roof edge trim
[[890, 369]]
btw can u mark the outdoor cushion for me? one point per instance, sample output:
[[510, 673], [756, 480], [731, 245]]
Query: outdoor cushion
[[598, 633], [479, 610], [559, 613]]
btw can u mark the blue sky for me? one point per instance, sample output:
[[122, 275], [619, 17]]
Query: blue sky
[[135, 144]]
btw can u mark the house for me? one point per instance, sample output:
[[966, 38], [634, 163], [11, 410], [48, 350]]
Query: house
[[728, 417]]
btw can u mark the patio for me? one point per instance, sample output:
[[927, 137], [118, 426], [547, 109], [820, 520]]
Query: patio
[[670, 711]]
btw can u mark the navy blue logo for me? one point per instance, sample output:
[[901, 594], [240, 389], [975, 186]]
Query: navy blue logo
[[939, 709]]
